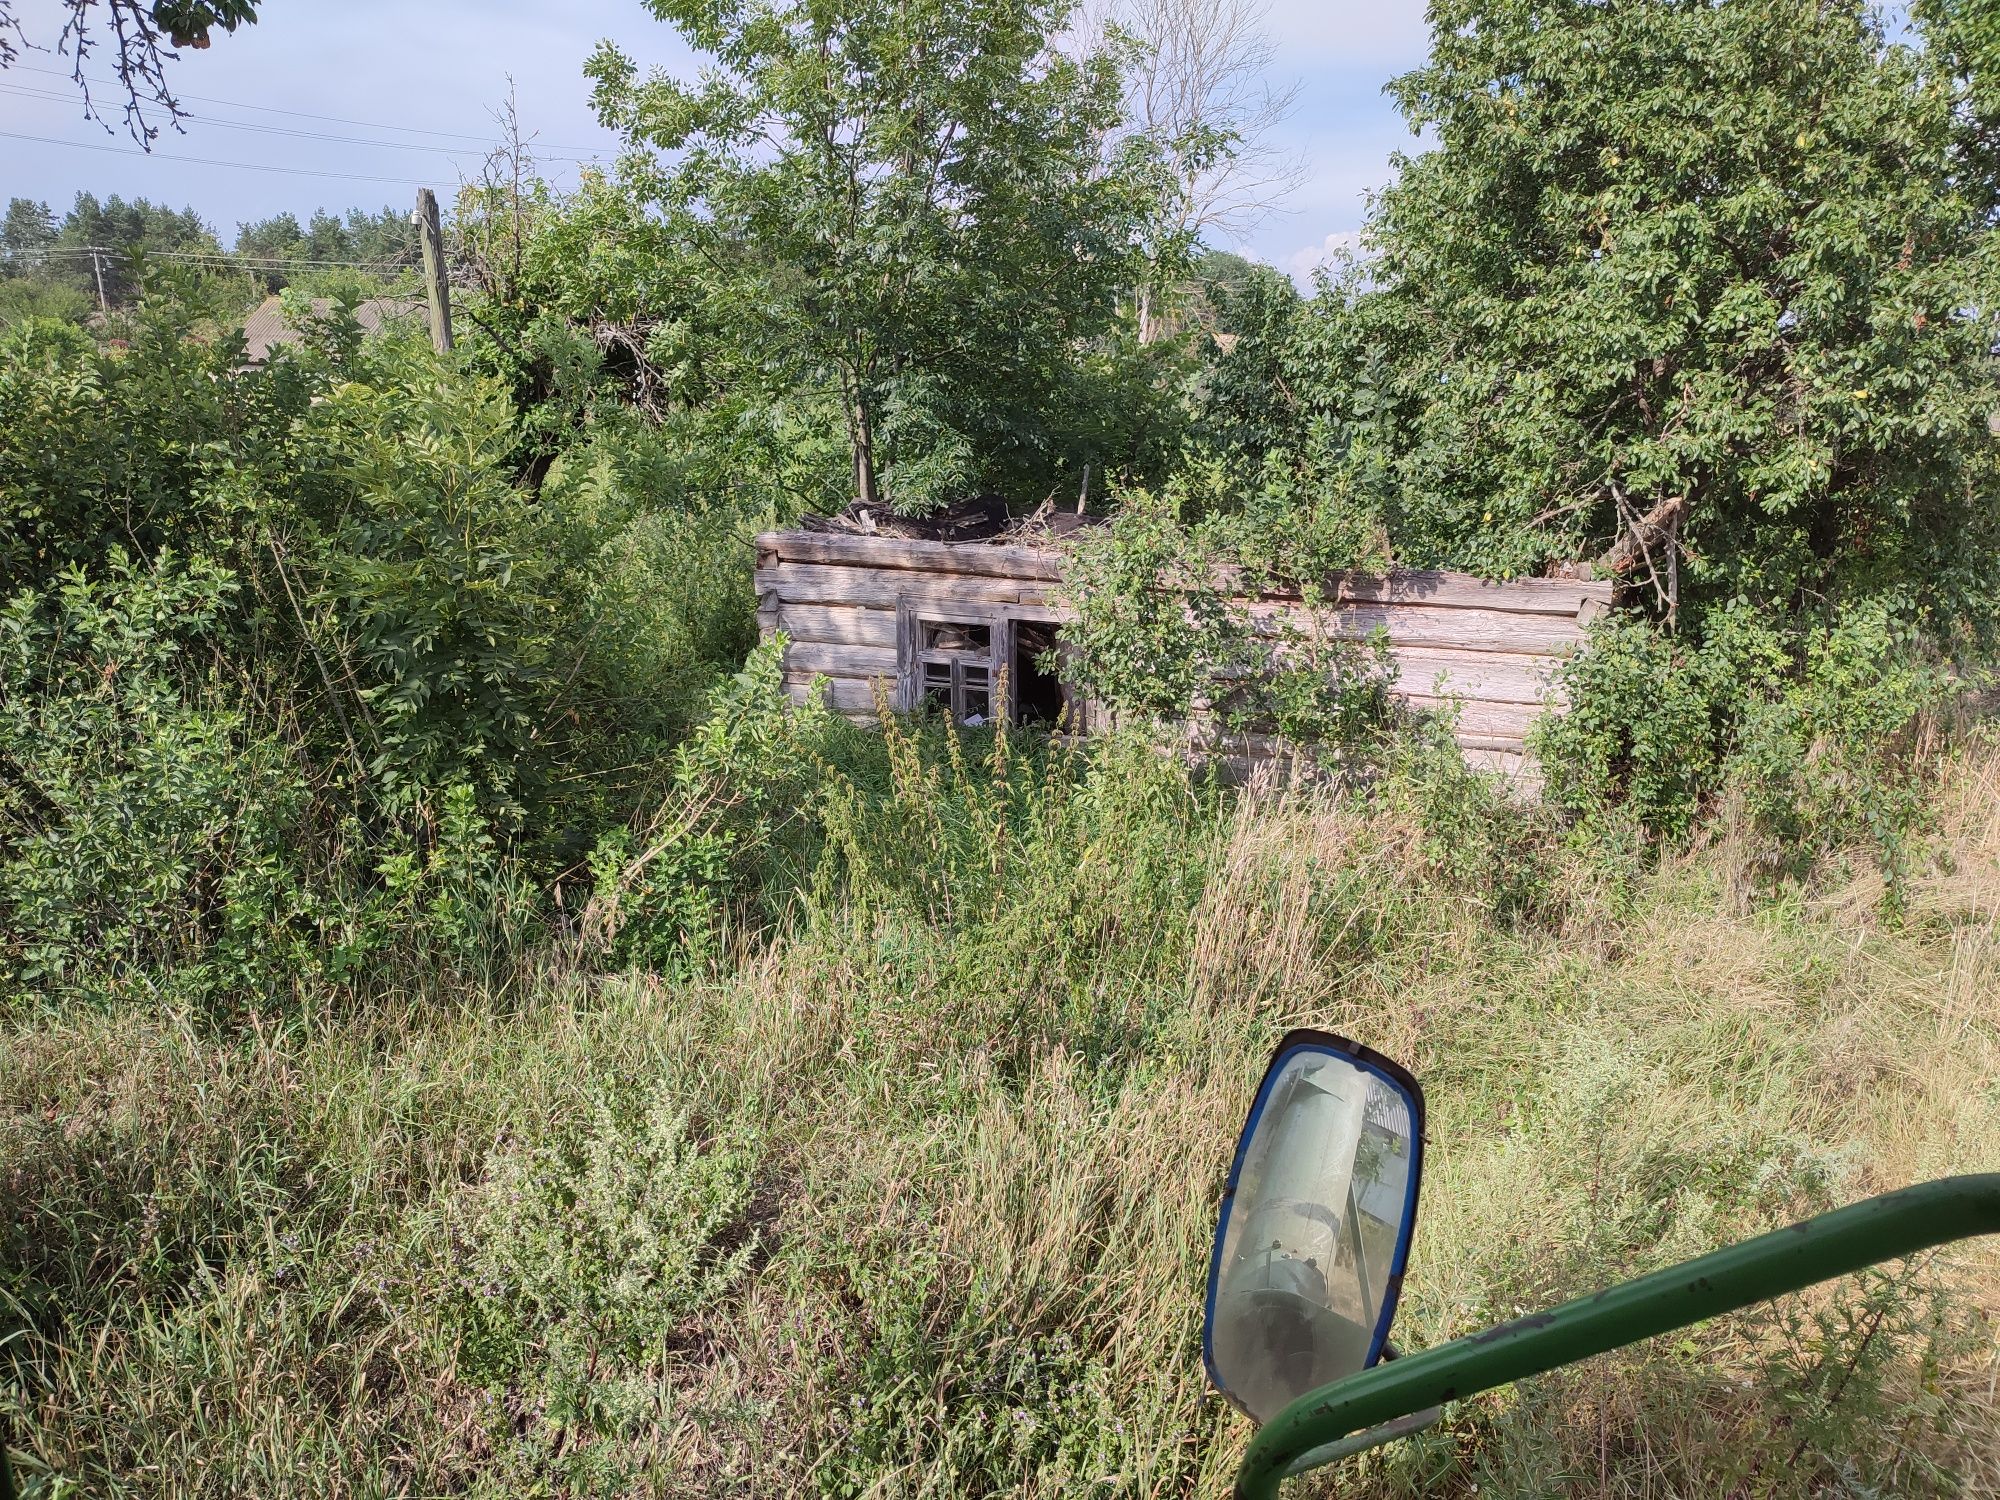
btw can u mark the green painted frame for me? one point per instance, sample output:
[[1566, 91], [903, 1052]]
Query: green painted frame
[[1313, 1430]]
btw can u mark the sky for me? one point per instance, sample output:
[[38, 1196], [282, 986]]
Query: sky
[[411, 90]]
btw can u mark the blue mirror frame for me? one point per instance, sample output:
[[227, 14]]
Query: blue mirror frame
[[1396, 1077]]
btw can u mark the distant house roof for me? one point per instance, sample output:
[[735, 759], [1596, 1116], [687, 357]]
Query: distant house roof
[[266, 328]]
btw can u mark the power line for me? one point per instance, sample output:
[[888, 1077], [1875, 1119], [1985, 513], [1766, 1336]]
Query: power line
[[207, 257], [310, 135], [208, 161], [296, 113]]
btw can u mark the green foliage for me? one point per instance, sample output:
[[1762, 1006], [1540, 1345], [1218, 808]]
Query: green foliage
[[445, 595], [1811, 733], [667, 887], [124, 230], [1154, 630], [1163, 630], [386, 240], [927, 232], [577, 1265], [149, 821], [22, 300], [1710, 252], [1828, 761]]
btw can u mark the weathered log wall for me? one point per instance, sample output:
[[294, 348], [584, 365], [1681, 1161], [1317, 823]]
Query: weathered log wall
[[1490, 647]]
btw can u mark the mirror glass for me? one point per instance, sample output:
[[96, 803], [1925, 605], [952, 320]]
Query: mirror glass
[[1316, 1223]]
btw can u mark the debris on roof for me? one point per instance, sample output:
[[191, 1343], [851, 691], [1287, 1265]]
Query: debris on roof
[[982, 518]]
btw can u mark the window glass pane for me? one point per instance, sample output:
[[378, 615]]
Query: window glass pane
[[954, 635], [936, 684]]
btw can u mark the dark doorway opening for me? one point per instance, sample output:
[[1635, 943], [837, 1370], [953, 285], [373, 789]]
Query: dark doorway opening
[[1038, 693]]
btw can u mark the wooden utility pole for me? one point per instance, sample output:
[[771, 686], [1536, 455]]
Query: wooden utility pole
[[436, 292], [97, 270]]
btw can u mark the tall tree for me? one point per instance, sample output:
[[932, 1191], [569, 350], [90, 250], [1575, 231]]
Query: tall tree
[[25, 237], [1701, 281], [1203, 88], [101, 238], [904, 197]]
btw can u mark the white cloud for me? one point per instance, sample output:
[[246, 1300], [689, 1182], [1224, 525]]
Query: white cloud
[[1302, 262]]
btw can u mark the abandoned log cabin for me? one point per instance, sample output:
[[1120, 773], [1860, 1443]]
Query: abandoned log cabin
[[944, 622]]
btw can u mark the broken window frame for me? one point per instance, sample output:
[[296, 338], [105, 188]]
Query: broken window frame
[[1076, 709], [1001, 623], [915, 661]]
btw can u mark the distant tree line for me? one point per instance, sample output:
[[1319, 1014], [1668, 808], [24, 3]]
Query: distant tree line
[[90, 257]]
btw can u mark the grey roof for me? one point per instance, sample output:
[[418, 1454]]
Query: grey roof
[[266, 328]]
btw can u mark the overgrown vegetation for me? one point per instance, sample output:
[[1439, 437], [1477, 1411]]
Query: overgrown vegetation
[[464, 1030], [915, 1201]]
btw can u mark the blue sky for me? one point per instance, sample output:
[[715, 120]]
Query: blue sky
[[444, 65]]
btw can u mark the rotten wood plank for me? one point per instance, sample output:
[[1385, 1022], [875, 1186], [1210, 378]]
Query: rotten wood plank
[[840, 660], [1499, 677], [844, 695], [1424, 625], [1481, 720], [979, 559], [1443, 590], [838, 624], [869, 588], [1436, 587]]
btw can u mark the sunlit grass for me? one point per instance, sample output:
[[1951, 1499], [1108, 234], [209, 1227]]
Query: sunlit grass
[[986, 1103]]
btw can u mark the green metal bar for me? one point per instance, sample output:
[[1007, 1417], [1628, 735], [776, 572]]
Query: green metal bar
[[1833, 1244]]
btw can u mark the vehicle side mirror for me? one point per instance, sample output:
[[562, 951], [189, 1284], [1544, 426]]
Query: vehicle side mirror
[[1315, 1225]]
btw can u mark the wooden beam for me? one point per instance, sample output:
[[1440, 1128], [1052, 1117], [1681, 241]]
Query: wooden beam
[[1431, 586], [437, 291], [1425, 625], [1478, 718], [841, 660], [885, 588], [1498, 677], [846, 695], [1442, 590], [980, 559], [837, 624]]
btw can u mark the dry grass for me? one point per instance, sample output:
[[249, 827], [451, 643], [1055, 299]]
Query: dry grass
[[986, 1165]]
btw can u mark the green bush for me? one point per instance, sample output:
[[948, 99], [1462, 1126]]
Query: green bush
[[667, 886], [576, 1267], [1809, 731], [1162, 631], [148, 832]]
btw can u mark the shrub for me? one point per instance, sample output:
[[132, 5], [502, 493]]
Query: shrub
[[1162, 631], [150, 832], [664, 887], [1809, 730], [576, 1268]]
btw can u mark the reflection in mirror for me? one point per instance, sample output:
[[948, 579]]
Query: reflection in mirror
[[1316, 1224]]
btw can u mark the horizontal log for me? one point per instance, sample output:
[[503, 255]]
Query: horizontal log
[[1433, 586], [1498, 677], [979, 559], [1522, 770], [844, 695], [841, 660], [838, 624], [1478, 719], [871, 588], [1442, 590], [1425, 625]]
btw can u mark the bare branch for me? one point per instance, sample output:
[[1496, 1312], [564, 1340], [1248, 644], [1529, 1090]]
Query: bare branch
[[143, 34], [1202, 88]]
